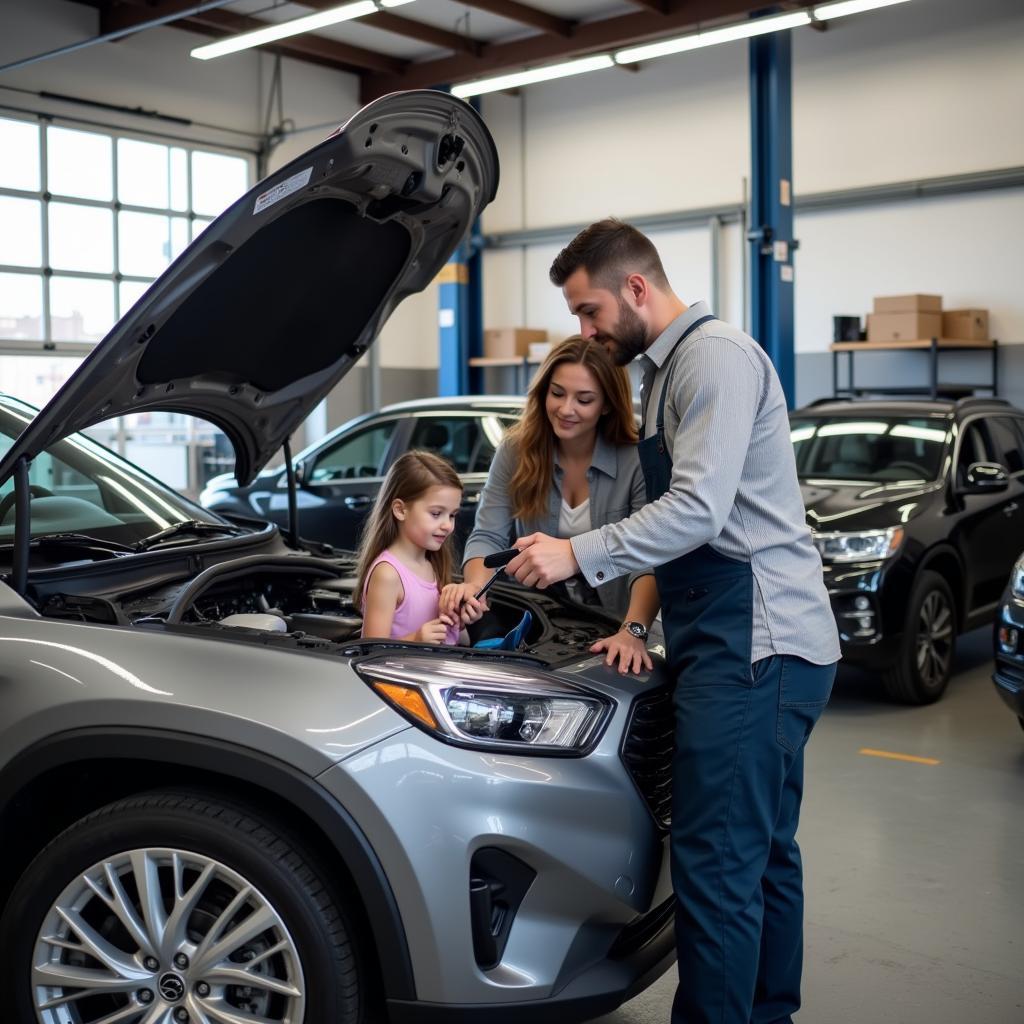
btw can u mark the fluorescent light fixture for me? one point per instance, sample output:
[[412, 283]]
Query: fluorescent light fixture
[[545, 74], [272, 33], [843, 7], [664, 47], [696, 40]]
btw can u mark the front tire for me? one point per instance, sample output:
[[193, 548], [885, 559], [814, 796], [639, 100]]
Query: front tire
[[176, 902], [921, 674]]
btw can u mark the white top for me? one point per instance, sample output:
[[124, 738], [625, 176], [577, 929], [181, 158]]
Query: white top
[[573, 521]]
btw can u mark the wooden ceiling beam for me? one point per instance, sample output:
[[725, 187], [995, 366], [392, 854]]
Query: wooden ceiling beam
[[588, 38], [514, 11], [397, 24]]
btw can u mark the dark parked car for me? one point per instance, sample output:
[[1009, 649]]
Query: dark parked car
[[339, 476], [1009, 643], [917, 508]]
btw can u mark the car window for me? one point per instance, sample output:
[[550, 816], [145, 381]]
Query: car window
[[974, 447], [1006, 440], [467, 442], [360, 454], [875, 448], [79, 486]]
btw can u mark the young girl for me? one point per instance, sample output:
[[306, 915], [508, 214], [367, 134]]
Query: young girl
[[406, 558]]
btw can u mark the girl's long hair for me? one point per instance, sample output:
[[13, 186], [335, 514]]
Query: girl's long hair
[[410, 477], [533, 440]]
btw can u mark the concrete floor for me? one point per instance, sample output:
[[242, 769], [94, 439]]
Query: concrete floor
[[914, 873]]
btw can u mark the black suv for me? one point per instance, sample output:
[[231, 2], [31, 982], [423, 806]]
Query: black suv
[[917, 508]]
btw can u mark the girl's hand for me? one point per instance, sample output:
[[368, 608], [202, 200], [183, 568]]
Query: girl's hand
[[473, 609], [630, 650], [435, 631]]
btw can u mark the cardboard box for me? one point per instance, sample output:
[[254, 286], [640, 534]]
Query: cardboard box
[[903, 326], [965, 324], [538, 351], [510, 342], [908, 304]]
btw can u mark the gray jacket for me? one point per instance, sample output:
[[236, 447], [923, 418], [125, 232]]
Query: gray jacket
[[616, 491]]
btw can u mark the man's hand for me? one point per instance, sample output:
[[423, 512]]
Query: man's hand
[[630, 650], [543, 560]]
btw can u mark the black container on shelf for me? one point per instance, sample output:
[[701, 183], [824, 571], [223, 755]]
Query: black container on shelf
[[847, 328]]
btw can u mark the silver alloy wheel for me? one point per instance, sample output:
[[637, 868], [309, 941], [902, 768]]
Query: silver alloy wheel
[[147, 936], [934, 639]]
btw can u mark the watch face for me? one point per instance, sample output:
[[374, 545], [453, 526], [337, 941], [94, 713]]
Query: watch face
[[637, 630]]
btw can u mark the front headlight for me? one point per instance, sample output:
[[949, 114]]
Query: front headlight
[[859, 546], [1017, 578], [487, 706]]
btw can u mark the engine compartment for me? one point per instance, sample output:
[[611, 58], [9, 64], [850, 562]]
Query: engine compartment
[[306, 601]]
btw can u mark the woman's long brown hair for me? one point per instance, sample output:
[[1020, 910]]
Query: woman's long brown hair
[[409, 478], [532, 438]]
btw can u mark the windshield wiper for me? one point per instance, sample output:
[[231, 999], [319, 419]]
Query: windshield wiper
[[189, 526]]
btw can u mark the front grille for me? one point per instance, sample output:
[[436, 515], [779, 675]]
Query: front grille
[[647, 752]]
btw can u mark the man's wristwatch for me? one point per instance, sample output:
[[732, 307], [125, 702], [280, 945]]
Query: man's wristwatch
[[638, 629]]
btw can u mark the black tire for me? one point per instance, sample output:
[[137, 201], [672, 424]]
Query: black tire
[[921, 674], [306, 945]]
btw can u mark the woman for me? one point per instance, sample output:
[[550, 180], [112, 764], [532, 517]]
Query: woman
[[568, 465]]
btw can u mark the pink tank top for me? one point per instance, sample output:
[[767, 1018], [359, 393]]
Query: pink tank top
[[420, 604]]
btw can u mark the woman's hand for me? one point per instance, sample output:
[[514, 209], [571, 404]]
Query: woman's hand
[[435, 631], [459, 599], [630, 651]]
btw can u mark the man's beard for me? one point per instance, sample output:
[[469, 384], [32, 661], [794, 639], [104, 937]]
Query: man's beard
[[628, 338]]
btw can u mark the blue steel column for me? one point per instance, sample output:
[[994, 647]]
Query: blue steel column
[[453, 324], [771, 220], [461, 314]]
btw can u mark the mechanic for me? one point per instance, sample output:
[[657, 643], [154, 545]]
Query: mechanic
[[752, 643]]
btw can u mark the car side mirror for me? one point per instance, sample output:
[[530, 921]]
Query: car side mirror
[[985, 478], [301, 473]]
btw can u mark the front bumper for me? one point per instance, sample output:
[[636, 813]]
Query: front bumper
[[869, 604], [595, 925], [1008, 640]]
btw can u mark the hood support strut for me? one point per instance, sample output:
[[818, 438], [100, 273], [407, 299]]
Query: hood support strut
[[293, 505], [22, 528]]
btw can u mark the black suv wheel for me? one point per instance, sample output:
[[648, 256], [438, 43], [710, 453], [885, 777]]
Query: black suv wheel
[[169, 902], [921, 674]]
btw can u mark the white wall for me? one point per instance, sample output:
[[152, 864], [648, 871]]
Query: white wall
[[926, 89]]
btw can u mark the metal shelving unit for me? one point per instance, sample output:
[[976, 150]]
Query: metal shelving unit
[[932, 347]]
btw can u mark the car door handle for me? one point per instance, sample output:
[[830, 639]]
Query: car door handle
[[357, 501], [1008, 510]]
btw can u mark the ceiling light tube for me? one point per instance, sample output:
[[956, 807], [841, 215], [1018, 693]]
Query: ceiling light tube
[[696, 40], [841, 8], [272, 33], [545, 74]]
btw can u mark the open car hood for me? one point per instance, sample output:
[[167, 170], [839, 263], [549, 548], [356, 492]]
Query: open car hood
[[273, 303]]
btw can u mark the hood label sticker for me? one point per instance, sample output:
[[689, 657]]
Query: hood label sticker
[[283, 190]]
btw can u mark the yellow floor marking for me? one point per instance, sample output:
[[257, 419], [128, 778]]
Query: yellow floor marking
[[897, 757]]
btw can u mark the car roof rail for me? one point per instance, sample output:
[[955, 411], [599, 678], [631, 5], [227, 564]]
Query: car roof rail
[[978, 400]]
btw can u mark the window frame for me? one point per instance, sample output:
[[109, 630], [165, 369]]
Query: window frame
[[45, 272]]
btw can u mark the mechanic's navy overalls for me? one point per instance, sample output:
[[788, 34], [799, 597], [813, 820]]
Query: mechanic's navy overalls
[[737, 782]]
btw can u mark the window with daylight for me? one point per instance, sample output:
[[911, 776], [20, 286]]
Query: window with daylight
[[88, 219]]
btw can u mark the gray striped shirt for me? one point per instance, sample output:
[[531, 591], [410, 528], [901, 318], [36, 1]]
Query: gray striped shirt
[[734, 486]]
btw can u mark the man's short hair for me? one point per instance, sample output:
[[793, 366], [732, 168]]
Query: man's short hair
[[609, 251]]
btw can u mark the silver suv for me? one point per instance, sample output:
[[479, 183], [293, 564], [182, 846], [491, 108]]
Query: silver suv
[[218, 804]]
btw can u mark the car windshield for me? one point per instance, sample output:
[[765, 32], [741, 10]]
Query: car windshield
[[78, 486], [884, 448]]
